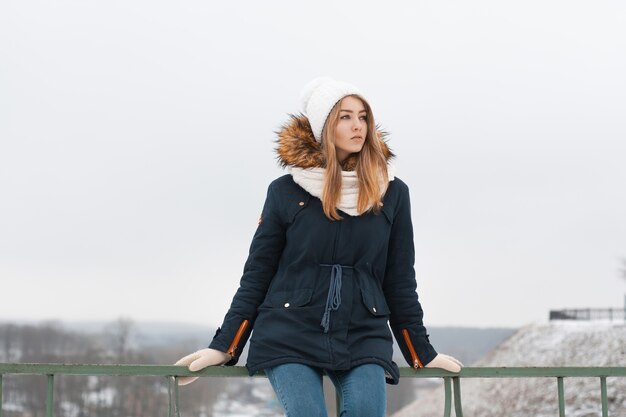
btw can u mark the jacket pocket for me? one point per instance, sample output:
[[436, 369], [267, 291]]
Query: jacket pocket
[[375, 302], [288, 299], [414, 358]]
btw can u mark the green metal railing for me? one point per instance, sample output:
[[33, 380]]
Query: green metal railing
[[588, 314], [452, 381]]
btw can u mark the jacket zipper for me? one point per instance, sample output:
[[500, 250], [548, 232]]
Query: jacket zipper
[[336, 240], [328, 338], [233, 346], [416, 360]]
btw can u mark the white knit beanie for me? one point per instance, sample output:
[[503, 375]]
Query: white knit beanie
[[319, 97]]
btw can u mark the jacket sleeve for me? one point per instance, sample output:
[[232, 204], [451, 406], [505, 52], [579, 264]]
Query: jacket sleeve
[[259, 269], [400, 286]]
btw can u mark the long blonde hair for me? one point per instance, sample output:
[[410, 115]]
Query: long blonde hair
[[371, 166]]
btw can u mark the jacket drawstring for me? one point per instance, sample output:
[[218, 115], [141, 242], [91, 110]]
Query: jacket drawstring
[[333, 300]]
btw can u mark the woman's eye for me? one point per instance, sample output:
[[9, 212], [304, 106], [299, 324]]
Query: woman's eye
[[363, 117]]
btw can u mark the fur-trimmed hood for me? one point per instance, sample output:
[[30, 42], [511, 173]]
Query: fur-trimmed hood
[[296, 146]]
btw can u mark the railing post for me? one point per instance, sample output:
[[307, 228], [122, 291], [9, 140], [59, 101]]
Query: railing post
[[559, 381], [176, 403], [458, 408], [172, 397], [50, 397], [169, 396], [605, 401], [448, 396], [0, 395]]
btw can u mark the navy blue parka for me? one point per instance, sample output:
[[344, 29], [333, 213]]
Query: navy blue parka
[[299, 258]]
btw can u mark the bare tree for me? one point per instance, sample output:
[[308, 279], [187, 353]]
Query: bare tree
[[119, 334], [8, 333]]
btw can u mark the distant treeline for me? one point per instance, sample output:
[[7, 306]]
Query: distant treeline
[[90, 396]]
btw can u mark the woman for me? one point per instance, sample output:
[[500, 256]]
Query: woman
[[330, 264]]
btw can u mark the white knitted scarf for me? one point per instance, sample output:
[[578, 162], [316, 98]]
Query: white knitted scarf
[[312, 180]]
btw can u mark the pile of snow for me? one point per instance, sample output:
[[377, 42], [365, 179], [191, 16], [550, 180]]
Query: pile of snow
[[558, 343]]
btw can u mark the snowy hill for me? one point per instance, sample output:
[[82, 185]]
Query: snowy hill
[[558, 343]]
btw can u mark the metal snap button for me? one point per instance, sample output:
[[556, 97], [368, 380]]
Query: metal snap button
[[374, 309], [301, 203], [287, 305]]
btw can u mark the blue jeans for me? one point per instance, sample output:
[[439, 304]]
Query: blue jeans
[[361, 390]]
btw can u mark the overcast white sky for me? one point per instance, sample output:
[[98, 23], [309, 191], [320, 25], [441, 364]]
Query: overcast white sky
[[136, 146]]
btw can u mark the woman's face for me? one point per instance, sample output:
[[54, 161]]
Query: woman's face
[[351, 129]]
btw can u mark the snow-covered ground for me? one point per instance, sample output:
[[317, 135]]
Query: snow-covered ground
[[557, 343], [248, 397]]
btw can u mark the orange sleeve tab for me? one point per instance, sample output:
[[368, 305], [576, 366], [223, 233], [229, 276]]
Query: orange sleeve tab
[[233, 346], [407, 339]]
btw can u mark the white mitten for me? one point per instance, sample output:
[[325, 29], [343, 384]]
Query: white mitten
[[200, 360], [445, 362]]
